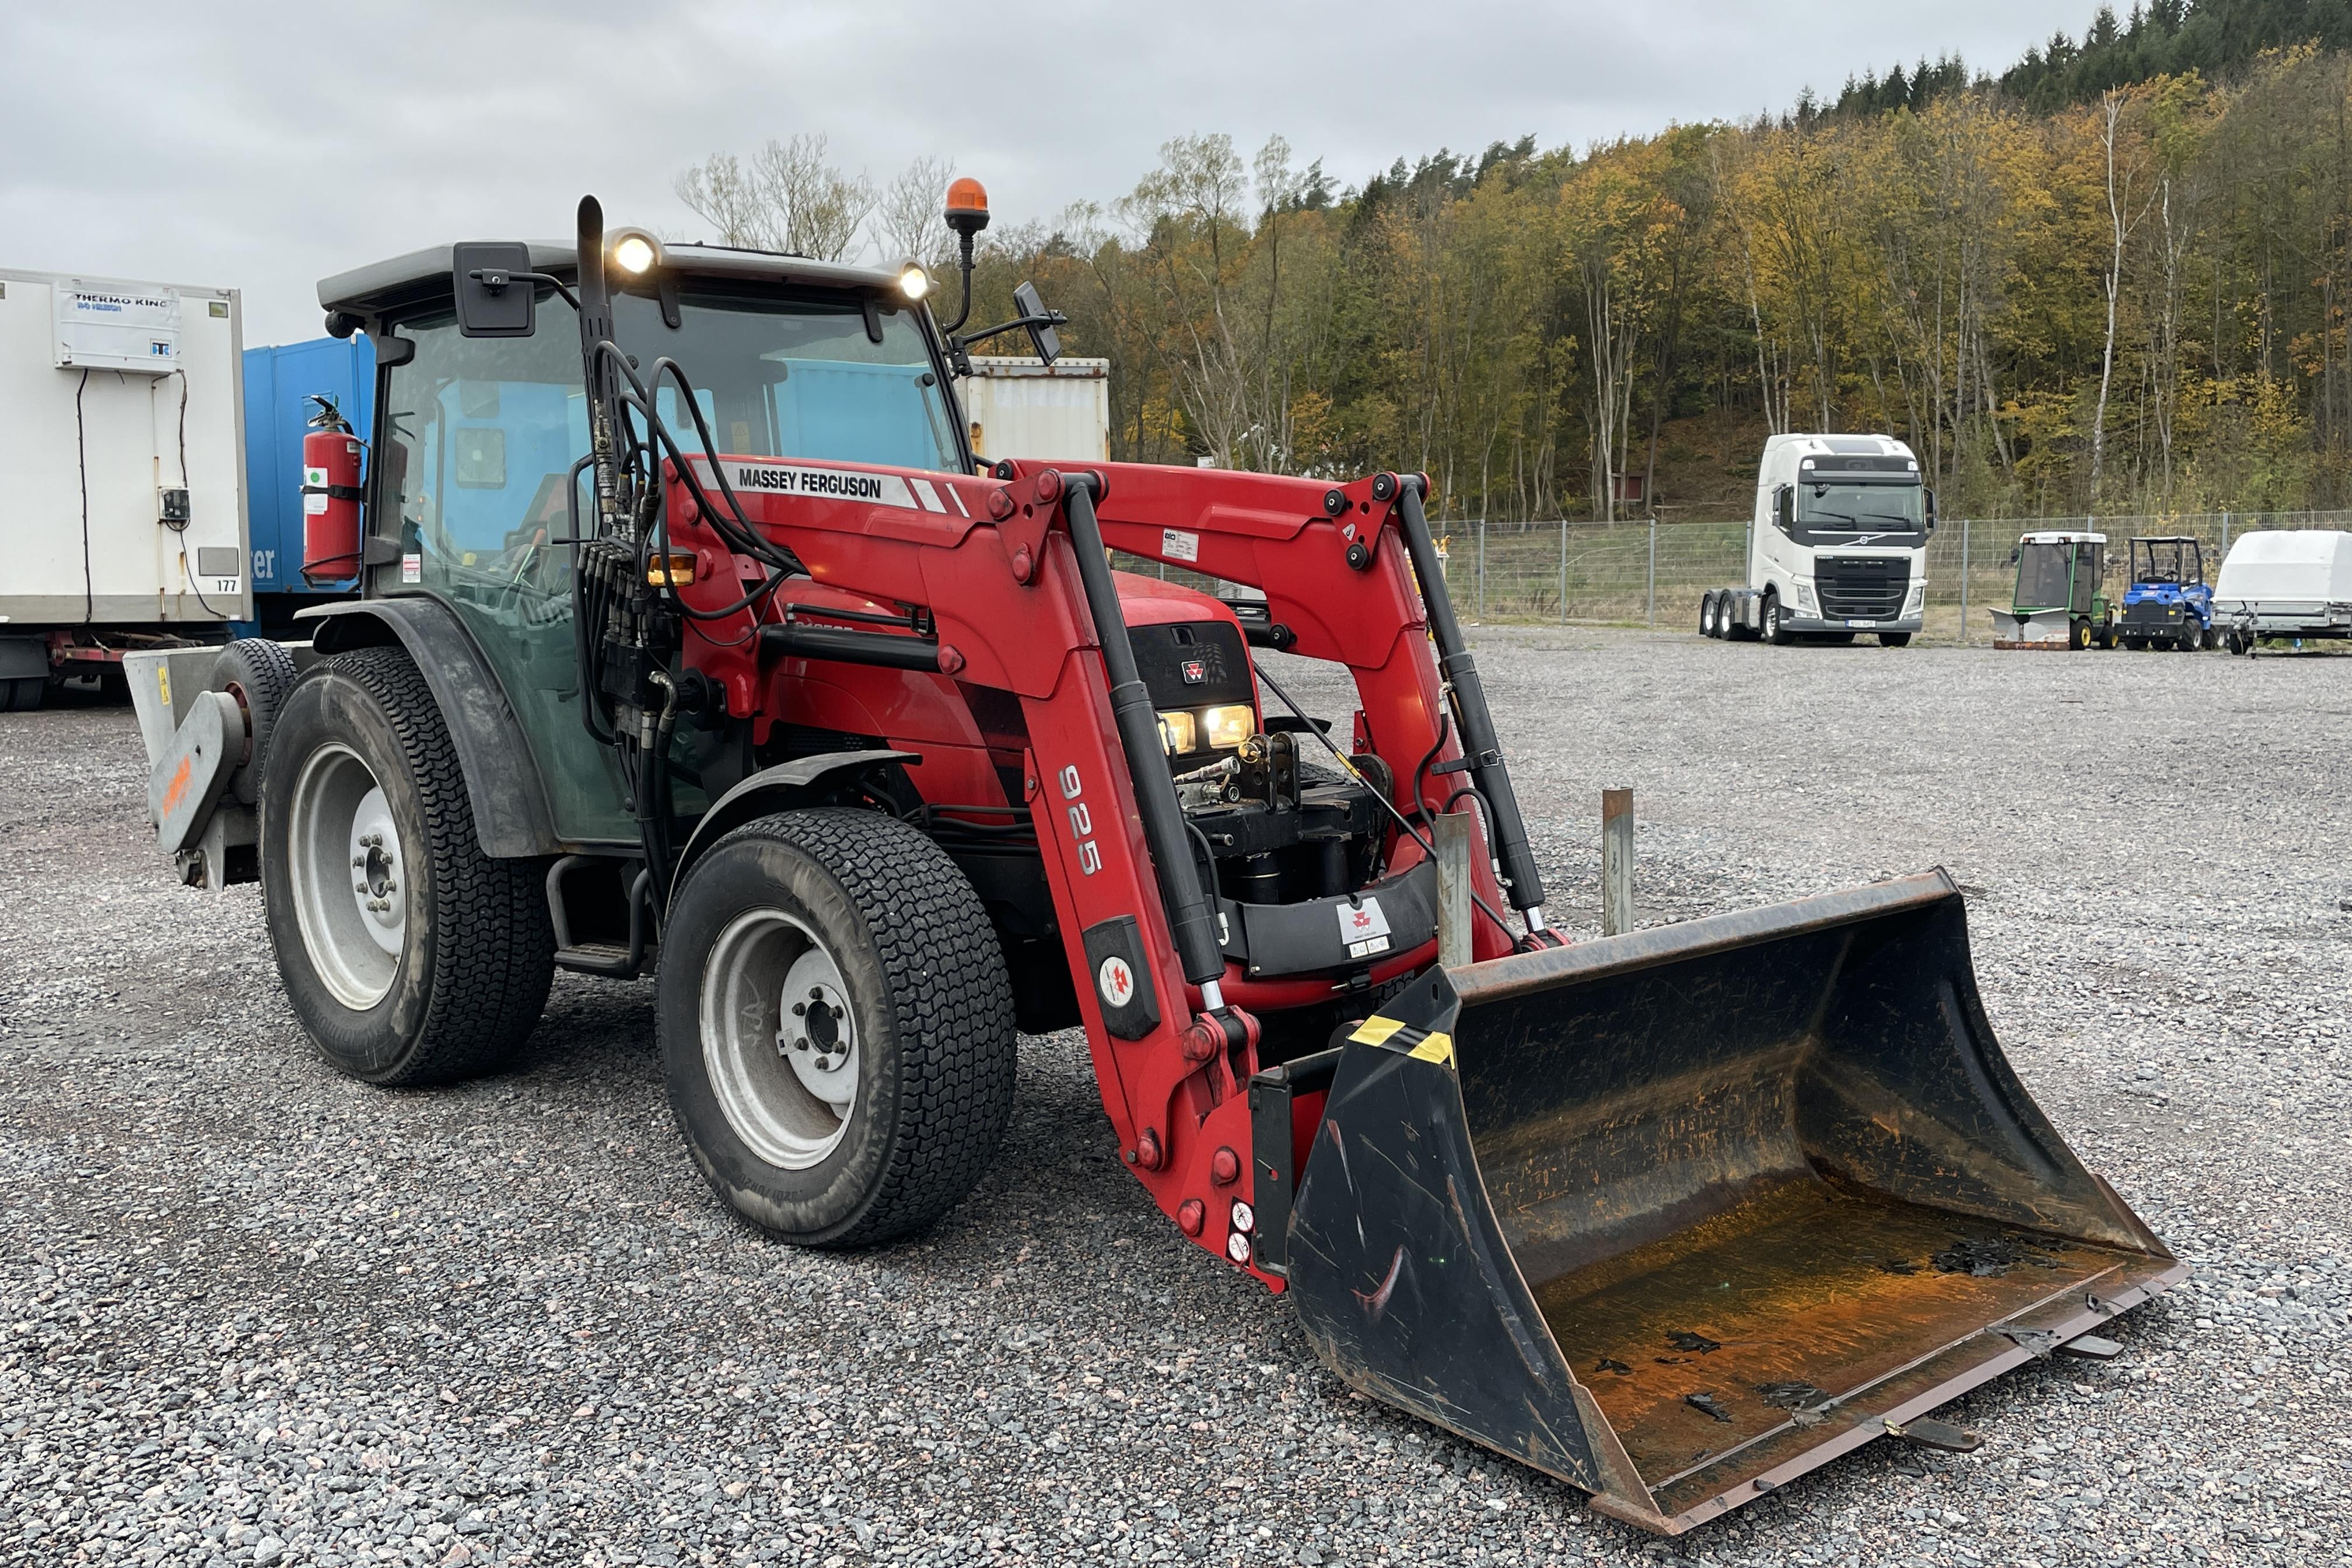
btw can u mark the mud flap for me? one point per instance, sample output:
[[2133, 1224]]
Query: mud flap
[[1679, 1215]]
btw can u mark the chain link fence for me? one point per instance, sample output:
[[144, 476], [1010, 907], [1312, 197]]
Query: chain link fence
[[1645, 573], [1649, 574]]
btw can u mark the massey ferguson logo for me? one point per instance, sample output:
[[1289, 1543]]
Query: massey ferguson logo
[[809, 482], [1194, 671], [1364, 928]]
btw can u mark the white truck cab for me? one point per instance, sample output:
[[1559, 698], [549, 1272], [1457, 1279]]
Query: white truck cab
[[1837, 545]]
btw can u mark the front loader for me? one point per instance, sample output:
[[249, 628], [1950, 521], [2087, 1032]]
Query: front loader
[[696, 641]]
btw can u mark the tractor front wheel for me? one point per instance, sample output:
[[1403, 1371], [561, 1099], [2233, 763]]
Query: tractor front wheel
[[1894, 639], [410, 956], [836, 1026]]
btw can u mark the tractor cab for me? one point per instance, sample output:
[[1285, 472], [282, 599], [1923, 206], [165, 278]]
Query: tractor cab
[[2168, 604], [2059, 601]]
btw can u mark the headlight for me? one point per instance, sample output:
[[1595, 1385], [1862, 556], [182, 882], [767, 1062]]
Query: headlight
[[1177, 731], [913, 281], [1225, 728], [634, 251]]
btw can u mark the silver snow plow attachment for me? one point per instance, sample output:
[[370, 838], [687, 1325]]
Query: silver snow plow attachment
[[1677, 1216]]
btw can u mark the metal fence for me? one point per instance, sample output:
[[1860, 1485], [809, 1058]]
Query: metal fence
[[1646, 573]]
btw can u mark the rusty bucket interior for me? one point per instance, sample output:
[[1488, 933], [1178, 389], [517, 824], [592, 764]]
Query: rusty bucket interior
[[1727, 1198]]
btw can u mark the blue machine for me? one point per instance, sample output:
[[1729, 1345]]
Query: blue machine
[[2170, 604], [279, 382]]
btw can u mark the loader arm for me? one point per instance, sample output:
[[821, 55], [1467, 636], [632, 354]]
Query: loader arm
[[995, 565]]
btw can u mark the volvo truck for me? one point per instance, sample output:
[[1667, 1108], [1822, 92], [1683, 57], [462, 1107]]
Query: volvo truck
[[1837, 545]]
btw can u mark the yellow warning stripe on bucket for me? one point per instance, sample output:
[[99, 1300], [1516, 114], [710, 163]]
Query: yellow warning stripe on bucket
[[1422, 1044]]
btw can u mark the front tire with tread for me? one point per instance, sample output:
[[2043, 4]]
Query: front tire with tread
[[931, 1008]]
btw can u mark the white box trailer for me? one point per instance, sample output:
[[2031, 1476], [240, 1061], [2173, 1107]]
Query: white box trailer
[[122, 518], [1024, 407], [2284, 582]]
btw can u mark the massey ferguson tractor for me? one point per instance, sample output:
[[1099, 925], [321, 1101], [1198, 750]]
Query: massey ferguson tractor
[[693, 640]]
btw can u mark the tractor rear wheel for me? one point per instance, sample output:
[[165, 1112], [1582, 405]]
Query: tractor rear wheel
[[2188, 637], [836, 1026], [410, 956], [1706, 615]]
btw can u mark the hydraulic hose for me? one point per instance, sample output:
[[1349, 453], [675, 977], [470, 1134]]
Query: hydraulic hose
[[1189, 918], [1479, 746]]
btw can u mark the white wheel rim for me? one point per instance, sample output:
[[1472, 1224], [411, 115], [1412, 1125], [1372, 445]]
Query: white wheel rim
[[785, 1080], [350, 877]]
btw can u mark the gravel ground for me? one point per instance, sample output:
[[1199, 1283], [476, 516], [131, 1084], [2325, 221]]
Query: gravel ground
[[250, 1312]]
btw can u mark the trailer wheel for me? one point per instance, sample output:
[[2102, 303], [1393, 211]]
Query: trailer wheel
[[259, 674], [22, 696], [1774, 632], [836, 1026], [410, 955]]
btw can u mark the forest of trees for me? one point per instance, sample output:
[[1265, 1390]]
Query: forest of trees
[[2112, 278]]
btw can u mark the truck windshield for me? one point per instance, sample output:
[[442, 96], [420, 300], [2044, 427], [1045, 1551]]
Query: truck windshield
[[2045, 579], [1835, 512]]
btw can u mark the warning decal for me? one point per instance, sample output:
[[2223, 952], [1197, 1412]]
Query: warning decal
[[1364, 928]]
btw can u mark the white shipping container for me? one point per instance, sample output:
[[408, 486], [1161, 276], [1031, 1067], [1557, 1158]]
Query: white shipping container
[[121, 454], [1022, 408]]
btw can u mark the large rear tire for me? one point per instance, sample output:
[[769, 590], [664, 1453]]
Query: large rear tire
[[410, 956], [24, 695], [873, 1109]]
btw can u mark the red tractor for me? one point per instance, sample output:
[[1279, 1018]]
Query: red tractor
[[697, 640]]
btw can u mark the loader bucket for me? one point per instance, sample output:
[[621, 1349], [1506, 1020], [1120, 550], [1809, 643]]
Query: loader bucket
[[1677, 1216]]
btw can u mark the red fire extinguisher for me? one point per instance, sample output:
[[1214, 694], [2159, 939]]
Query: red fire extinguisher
[[331, 496]]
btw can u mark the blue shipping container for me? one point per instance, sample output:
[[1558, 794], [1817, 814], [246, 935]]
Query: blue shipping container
[[279, 384]]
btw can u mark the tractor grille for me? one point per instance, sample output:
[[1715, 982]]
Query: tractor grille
[[2151, 614], [1861, 587]]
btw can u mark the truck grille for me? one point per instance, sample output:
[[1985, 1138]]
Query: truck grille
[[1861, 587]]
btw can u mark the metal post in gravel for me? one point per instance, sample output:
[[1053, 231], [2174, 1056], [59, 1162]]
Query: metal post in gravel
[[1449, 837], [2225, 534], [1964, 584], [1654, 571], [1563, 571], [1616, 862]]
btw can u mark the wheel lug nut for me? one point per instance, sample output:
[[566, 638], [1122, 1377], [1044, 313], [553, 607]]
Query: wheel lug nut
[[799, 1008]]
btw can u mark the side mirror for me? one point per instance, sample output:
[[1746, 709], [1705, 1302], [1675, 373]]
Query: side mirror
[[1930, 496], [1784, 509], [1039, 320], [493, 301], [2015, 551]]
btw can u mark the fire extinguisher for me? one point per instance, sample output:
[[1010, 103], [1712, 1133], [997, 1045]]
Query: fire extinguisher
[[331, 496]]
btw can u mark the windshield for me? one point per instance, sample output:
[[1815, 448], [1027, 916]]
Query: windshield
[[2176, 560], [1840, 512], [2045, 576], [796, 375]]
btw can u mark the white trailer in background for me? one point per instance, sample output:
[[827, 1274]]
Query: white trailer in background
[[122, 473], [1022, 408], [1837, 545], [2286, 583]]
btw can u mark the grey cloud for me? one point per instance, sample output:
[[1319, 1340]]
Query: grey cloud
[[263, 145]]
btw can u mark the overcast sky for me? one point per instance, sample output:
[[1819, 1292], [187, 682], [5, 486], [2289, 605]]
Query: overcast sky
[[261, 146]]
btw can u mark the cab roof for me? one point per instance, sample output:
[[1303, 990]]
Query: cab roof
[[2060, 536], [422, 277]]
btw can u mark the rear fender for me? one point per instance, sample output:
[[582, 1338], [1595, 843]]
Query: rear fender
[[502, 780]]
